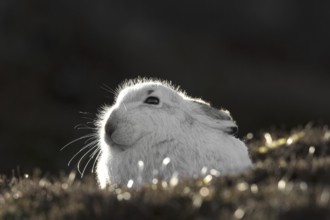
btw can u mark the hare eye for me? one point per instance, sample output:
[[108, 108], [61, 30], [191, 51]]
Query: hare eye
[[152, 100]]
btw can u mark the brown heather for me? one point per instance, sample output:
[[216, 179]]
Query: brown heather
[[291, 180]]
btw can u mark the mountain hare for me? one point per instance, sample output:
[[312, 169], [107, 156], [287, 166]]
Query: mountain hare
[[155, 130]]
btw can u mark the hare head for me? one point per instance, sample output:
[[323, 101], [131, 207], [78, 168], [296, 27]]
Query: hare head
[[158, 110]]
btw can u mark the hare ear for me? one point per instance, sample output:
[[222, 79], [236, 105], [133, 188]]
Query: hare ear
[[219, 119]]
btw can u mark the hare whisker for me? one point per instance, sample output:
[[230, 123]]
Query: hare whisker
[[91, 157], [90, 139], [108, 89], [78, 139], [97, 158], [78, 165], [87, 146], [84, 127]]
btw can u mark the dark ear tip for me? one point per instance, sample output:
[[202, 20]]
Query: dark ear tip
[[232, 130]]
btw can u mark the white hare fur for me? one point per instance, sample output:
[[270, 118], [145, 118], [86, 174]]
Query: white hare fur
[[188, 131]]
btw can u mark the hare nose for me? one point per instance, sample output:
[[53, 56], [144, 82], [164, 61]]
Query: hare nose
[[110, 128], [112, 122]]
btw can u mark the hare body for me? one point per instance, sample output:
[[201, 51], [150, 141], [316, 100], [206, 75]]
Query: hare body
[[154, 130]]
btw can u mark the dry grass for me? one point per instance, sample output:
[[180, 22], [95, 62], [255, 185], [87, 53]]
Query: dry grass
[[291, 180]]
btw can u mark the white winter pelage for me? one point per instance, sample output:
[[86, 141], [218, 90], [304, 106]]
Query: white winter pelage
[[154, 130]]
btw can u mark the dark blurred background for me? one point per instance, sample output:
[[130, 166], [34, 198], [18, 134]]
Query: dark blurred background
[[268, 62]]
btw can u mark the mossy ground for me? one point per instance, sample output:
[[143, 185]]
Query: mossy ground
[[291, 180]]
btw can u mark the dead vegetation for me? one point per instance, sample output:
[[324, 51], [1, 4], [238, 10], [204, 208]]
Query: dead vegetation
[[290, 181]]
